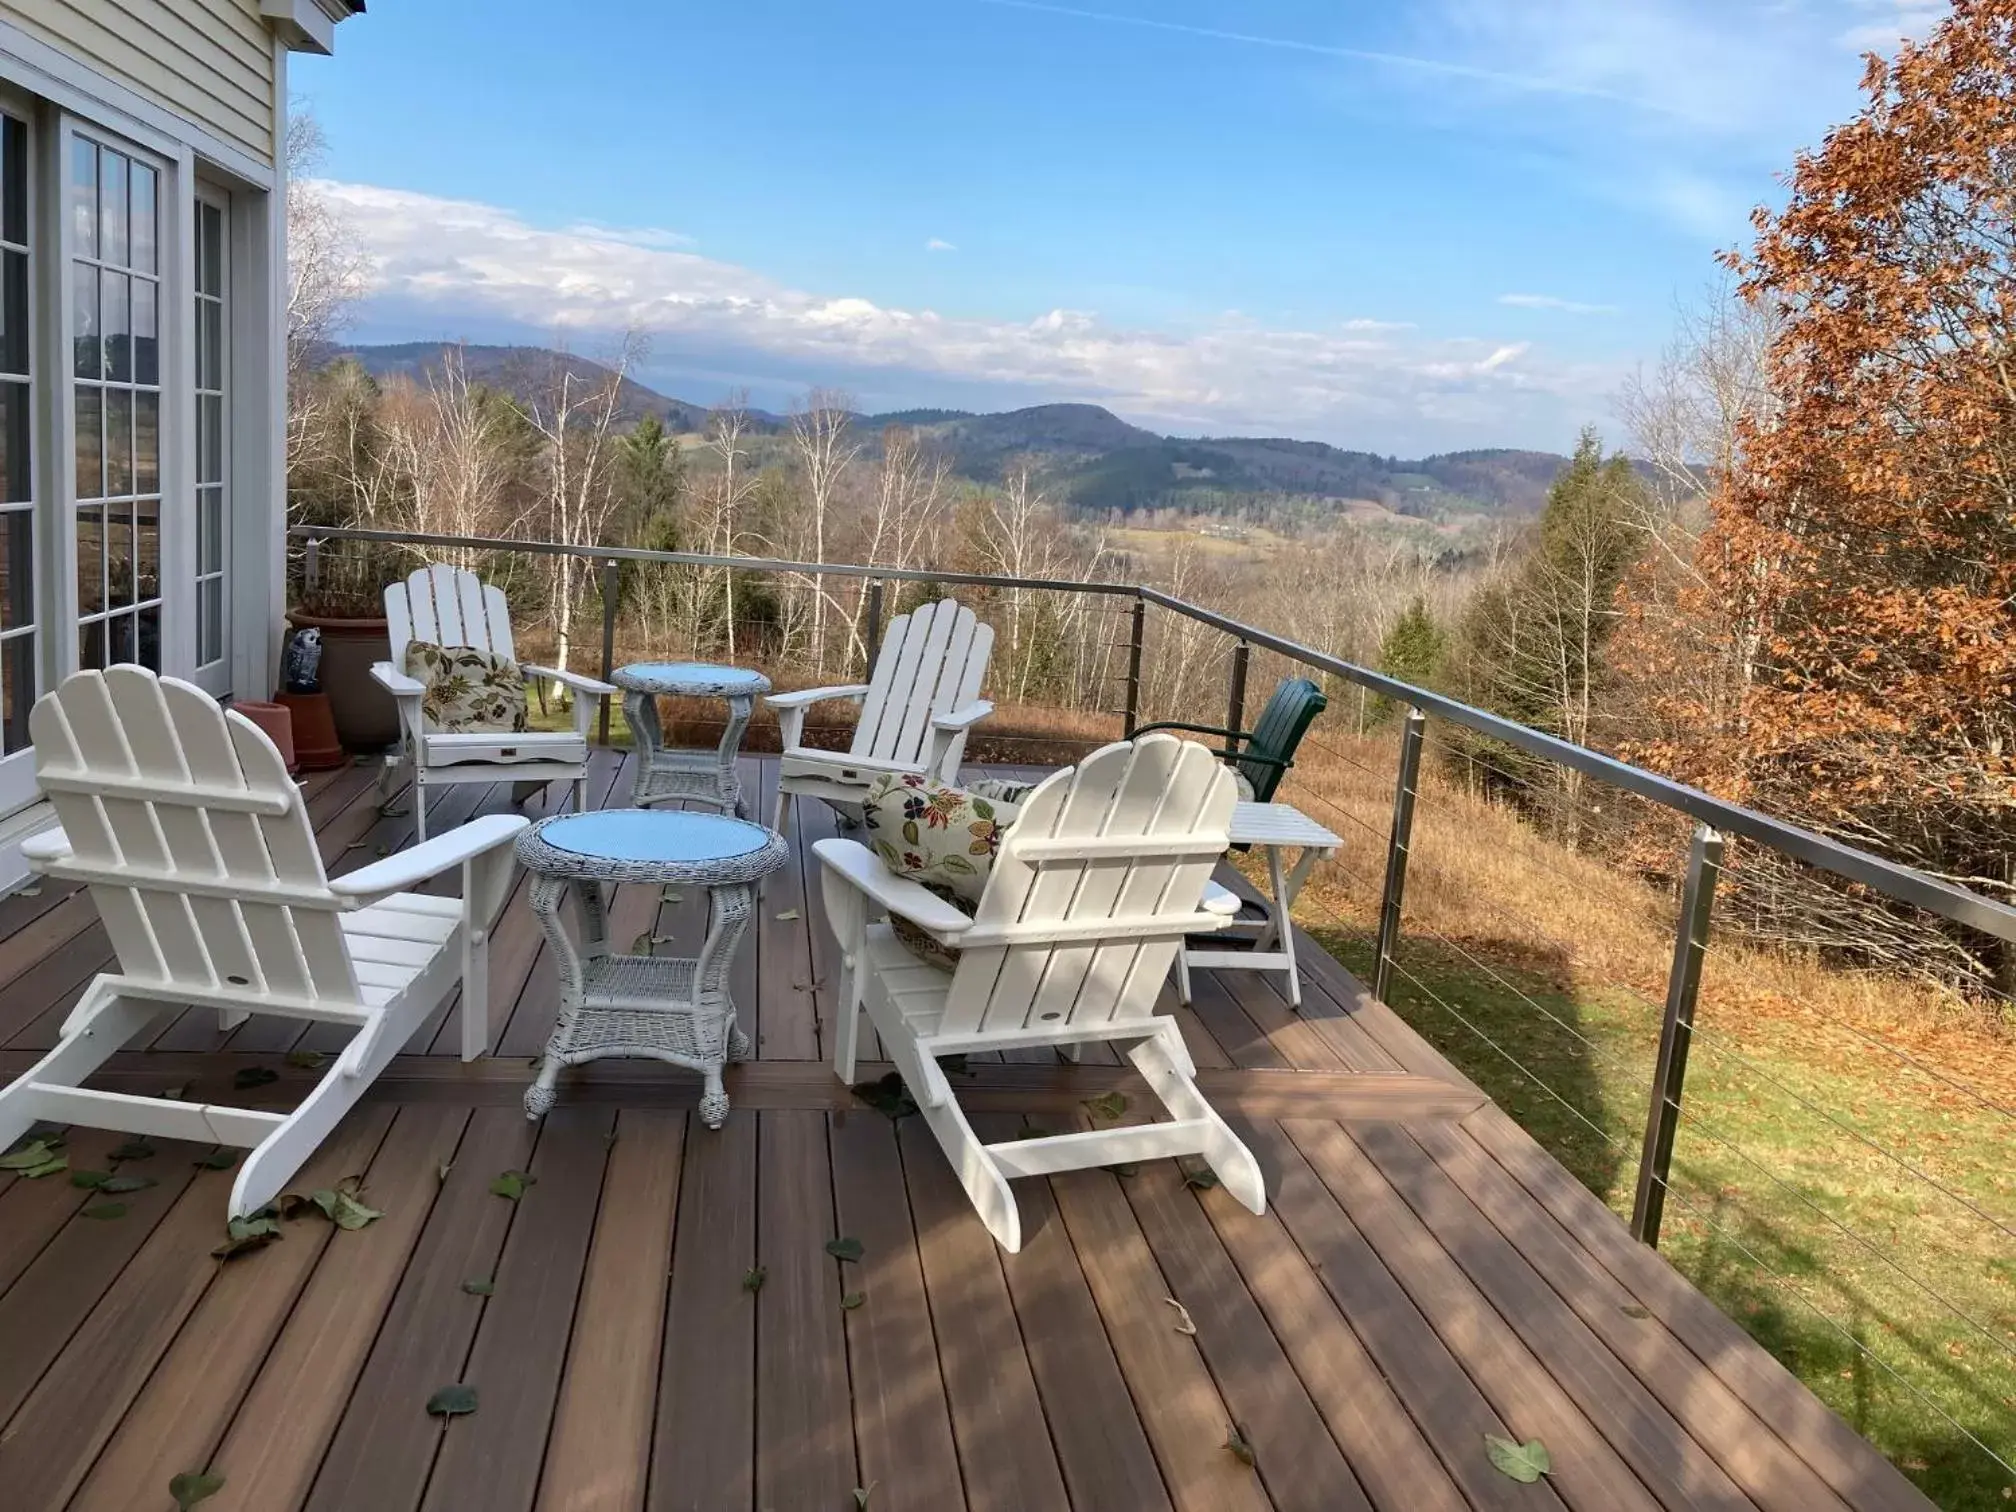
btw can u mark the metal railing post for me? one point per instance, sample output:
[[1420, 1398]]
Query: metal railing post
[[1235, 714], [871, 634], [1676, 1033], [1398, 843], [311, 565], [611, 584], [1131, 716]]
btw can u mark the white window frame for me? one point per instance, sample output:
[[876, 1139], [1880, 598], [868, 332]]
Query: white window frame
[[17, 768], [175, 318], [216, 676]]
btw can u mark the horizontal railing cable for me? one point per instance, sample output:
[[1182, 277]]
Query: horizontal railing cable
[[1791, 1287]]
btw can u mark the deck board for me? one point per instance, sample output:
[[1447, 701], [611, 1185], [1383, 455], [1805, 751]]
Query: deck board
[[1425, 1274]]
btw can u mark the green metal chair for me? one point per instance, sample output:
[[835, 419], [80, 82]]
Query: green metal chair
[[1261, 756]]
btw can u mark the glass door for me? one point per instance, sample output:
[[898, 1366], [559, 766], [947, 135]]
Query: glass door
[[213, 485], [114, 207], [20, 640]]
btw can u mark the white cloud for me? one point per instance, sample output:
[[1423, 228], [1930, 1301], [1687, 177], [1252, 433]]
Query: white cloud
[[641, 236], [439, 264], [1555, 302], [939, 244], [1364, 323]]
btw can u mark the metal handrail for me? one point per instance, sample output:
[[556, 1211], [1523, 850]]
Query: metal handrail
[[1893, 880]]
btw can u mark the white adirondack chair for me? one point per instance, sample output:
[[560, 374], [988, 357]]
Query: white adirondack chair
[[451, 606], [916, 709], [1087, 904], [198, 853]]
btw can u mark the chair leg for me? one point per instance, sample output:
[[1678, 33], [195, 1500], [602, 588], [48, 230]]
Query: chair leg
[[419, 809], [777, 813], [581, 794], [1183, 976], [847, 1032]]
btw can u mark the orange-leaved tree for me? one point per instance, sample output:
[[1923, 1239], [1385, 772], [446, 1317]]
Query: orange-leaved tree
[[1859, 568]]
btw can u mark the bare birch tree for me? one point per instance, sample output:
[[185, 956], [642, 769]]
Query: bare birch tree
[[825, 449]]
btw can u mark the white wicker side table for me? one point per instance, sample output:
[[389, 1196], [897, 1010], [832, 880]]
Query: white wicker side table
[[673, 1008], [704, 776]]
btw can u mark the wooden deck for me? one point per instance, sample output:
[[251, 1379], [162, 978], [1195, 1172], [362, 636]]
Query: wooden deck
[[656, 1323]]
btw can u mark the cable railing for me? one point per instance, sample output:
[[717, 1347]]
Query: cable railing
[[1370, 770]]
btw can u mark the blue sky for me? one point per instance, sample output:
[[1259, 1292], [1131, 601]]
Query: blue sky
[[1409, 226]]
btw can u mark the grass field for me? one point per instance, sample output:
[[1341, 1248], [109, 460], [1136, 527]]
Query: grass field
[[1841, 1182]]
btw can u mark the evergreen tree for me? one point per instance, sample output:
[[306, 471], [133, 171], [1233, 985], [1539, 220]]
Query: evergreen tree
[[1413, 651]]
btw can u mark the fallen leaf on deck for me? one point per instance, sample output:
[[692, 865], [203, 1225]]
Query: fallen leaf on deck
[[89, 1180], [1125, 1168], [246, 1235], [49, 1167], [853, 1300], [1634, 1310], [115, 1184], [135, 1149], [787, 916], [476, 1287], [441, 1171], [844, 1248], [217, 1160], [105, 1210], [1107, 1104], [343, 1208], [254, 1076], [305, 1060], [452, 1401], [641, 946], [1183, 1323], [35, 1153], [753, 1278], [512, 1184], [28, 892], [887, 1095], [1235, 1441], [1525, 1463], [189, 1488], [862, 1493], [1201, 1177]]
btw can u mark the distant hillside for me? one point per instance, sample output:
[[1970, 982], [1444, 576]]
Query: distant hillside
[[1095, 460], [520, 370]]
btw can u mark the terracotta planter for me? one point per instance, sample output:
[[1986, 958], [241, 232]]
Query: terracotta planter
[[366, 718], [276, 721], [314, 730]]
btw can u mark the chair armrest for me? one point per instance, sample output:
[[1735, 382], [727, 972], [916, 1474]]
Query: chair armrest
[[1220, 900], [861, 867], [1193, 729], [805, 696], [409, 868], [397, 683], [591, 686], [963, 719], [46, 846]]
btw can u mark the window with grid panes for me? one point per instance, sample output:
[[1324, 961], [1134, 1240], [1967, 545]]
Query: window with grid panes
[[212, 534], [113, 203], [18, 620]]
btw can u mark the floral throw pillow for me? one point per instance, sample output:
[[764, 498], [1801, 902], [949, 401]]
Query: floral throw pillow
[[468, 691], [942, 837]]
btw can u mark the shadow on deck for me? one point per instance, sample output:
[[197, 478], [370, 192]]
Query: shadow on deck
[[656, 1323]]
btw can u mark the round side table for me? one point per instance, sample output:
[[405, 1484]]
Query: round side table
[[673, 1008], [707, 777]]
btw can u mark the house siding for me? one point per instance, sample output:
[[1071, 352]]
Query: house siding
[[208, 61]]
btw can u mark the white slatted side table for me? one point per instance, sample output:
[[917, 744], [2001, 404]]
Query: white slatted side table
[[1274, 828]]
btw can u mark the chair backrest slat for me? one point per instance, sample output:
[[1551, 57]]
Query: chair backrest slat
[[932, 661], [1156, 789], [447, 606], [182, 885]]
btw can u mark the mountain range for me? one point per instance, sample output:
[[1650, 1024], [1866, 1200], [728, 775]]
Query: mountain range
[[1098, 461]]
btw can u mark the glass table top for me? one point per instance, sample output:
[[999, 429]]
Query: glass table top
[[654, 835], [678, 676]]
